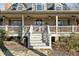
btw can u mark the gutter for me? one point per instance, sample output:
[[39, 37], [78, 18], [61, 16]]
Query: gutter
[[40, 12]]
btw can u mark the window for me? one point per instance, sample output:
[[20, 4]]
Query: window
[[21, 7], [39, 6], [62, 22], [15, 22], [50, 6], [28, 6], [14, 6], [39, 22], [58, 6]]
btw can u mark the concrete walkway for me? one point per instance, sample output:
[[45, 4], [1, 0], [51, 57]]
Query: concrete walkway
[[12, 48], [1, 53]]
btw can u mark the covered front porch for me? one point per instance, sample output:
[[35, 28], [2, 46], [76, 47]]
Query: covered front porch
[[21, 22], [47, 24]]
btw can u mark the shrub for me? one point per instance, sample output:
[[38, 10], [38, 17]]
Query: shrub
[[71, 42], [2, 36]]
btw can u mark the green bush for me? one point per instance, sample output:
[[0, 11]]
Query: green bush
[[2, 36]]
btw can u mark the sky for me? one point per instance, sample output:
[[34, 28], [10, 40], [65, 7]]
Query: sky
[[1, 5]]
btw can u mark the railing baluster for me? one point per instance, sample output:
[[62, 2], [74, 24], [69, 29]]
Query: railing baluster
[[73, 28], [51, 29], [6, 27], [48, 29]]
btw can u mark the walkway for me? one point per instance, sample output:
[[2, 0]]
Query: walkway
[[12, 48]]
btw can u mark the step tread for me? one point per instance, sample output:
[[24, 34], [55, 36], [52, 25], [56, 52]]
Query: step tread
[[38, 46], [36, 40]]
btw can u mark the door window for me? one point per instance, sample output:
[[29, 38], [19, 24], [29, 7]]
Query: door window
[[39, 22]]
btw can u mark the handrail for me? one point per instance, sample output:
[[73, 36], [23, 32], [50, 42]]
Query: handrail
[[45, 36], [37, 26]]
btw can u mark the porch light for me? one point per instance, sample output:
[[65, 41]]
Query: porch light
[[29, 17], [49, 17], [2, 17], [73, 17]]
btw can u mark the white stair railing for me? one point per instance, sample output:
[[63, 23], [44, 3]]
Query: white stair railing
[[45, 35], [48, 29], [31, 29], [73, 29], [49, 38]]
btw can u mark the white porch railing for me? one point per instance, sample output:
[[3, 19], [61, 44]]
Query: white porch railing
[[14, 29], [51, 29], [11, 30], [3, 27], [64, 29]]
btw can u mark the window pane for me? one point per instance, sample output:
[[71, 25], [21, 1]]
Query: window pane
[[14, 6], [29, 6], [59, 23], [39, 22], [39, 7], [58, 6], [15, 22], [50, 6], [21, 7], [62, 22]]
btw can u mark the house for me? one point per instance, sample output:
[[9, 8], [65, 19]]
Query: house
[[39, 22]]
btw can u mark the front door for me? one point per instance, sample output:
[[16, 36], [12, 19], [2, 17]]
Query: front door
[[39, 25]]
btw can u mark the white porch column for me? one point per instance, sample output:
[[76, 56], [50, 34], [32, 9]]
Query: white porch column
[[56, 27], [56, 24], [73, 23], [22, 26], [73, 29], [6, 28]]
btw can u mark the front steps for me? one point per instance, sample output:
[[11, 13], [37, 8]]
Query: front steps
[[36, 41]]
